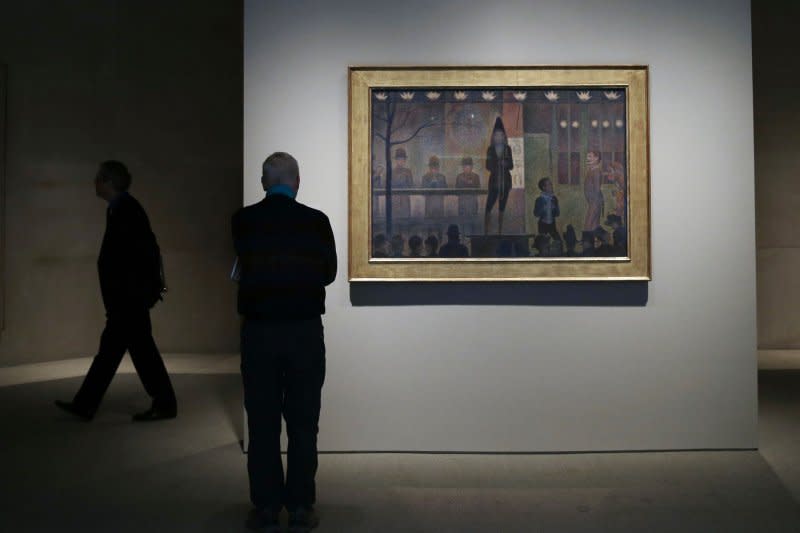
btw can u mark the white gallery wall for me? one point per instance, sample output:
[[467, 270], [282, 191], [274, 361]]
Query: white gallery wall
[[528, 368]]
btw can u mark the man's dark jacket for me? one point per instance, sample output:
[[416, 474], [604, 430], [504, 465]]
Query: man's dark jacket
[[287, 256], [130, 260]]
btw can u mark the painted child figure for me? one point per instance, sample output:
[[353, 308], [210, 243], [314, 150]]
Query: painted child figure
[[546, 209]]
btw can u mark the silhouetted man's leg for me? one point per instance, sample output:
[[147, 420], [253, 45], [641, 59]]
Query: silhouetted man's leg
[[113, 344], [262, 377], [148, 362], [305, 374]]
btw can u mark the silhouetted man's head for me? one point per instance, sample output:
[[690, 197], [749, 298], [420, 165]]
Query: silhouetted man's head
[[280, 169], [111, 180]]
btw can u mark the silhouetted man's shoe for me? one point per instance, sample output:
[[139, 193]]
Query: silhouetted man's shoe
[[72, 408], [302, 520], [263, 520], [156, 413]]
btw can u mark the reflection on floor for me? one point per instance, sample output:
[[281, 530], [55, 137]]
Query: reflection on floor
[[64, 475], [70, 368]]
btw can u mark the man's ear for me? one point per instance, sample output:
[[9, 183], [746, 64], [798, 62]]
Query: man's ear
[[264, 184], [297, 184]]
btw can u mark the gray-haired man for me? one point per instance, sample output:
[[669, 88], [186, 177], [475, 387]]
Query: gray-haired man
[[287, 256]]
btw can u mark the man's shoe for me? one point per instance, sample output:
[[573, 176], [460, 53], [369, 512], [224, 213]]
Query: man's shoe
[[263, 520], [74, 409], [156, 413], [302, 520]]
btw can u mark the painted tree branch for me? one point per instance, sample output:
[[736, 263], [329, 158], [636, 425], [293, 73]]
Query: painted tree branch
[[416, 132]]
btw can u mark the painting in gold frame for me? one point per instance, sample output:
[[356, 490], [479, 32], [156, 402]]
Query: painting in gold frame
[[535, 173]]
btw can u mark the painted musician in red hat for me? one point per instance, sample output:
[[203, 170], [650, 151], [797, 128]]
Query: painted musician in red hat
[[499, 164]]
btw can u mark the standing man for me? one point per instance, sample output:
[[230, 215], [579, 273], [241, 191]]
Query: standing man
[[131, 283], [499, 163], [467, 205], [402, 178], [287, 256], [433, 179], [593, 193]]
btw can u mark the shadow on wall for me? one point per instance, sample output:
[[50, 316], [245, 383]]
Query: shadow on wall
[[589, 294]]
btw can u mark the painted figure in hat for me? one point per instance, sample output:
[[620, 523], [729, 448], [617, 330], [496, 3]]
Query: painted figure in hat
[[453, 246], [467, 205], [401, 179], [592, 191], [499, 163], [433, 179]]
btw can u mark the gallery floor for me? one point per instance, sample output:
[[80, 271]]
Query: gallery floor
[[60, 474]]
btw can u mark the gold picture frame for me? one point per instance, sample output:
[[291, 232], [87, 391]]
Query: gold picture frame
[[581, 97]]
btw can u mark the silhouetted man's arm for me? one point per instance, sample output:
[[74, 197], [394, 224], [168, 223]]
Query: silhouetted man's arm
[[331, 264]]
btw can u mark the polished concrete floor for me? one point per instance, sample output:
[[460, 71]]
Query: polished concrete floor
[[60, 474]]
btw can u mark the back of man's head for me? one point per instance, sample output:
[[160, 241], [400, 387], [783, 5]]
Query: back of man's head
[[117, 173], [280, 169]]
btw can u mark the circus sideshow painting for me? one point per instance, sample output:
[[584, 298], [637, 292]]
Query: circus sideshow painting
[[507, 173]]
